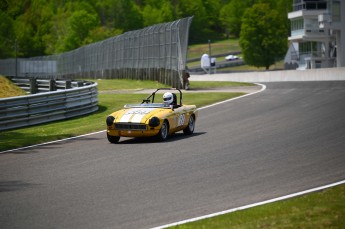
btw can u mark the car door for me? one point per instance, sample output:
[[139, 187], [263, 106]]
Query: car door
[[177, 119]]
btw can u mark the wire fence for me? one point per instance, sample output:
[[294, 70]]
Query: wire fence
[[157, 53]]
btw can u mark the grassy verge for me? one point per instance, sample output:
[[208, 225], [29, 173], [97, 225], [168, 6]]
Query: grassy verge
[[8, 89], [218, 47], [221, 47], [124, 84], [277, 66], [217, 84], [108, 103], [324, 209]]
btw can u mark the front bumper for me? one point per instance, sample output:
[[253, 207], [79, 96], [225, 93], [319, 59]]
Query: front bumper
[[150, 131]]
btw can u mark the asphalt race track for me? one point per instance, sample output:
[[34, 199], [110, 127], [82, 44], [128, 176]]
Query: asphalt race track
[[286, 139]]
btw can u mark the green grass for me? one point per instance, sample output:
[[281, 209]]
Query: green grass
[[217, 84], [221, 47], [277, 66], [324, 209], [108, 103], [217, 47], [121, 84], [124, 84], [8, 89]]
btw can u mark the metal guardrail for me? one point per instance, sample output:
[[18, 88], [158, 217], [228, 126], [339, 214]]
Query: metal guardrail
[[35, 85], [40, 108]]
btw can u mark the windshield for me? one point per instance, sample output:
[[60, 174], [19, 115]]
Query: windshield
[[146, 105]]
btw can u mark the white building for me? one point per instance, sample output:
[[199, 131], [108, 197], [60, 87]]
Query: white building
[[317, 34]]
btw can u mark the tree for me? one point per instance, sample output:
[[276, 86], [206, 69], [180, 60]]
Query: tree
[[7, 44], [263, 37], [199, 27], [156, 13], [43, 27], [127, 15], [213, 8], [231, 15], [79, 24]]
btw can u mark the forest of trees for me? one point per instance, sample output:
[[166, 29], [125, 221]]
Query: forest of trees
[[44, 27]]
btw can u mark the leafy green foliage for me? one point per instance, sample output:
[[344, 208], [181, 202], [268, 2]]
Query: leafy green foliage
[[156, 12], [45, 27], [79, 25], [231, 17], [6, 36]]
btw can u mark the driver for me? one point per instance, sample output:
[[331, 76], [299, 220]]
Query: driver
[[168, 99]]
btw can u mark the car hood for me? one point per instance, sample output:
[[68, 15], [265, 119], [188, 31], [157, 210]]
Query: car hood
[[138, 115]]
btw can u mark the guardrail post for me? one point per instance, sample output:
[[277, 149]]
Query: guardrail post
[[52, 85], [68, 84], [33, 86], [80, 84]]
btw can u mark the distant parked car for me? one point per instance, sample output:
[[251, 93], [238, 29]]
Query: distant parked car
[[231, 57]]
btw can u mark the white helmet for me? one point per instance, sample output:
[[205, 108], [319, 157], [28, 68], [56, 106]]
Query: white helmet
[[168, 98]]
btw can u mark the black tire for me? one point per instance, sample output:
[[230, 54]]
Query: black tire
[[191, 125], [113, 139], [163, 132]]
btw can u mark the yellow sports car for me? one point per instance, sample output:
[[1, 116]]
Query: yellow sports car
[[152, 119]]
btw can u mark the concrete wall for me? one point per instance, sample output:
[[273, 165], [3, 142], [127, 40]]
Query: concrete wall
[[324, 74]]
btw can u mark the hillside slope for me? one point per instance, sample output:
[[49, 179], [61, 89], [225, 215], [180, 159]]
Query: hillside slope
[[8, 89]]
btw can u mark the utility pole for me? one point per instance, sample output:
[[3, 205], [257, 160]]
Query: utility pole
[[16, 50], [209, 55]]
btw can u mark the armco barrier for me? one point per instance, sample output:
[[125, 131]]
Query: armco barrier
[[40, 108], [35, 85]]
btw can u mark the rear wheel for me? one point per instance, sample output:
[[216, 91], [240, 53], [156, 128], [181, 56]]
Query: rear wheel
[[163, 132], [191, 125], [113, 139]]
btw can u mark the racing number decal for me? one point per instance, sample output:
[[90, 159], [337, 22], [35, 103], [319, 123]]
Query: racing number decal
[[181, 119]]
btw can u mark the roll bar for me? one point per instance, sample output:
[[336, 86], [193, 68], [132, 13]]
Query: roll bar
[[147, 100]]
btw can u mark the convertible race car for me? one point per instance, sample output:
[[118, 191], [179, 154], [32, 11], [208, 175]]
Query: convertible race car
[[152, 119]]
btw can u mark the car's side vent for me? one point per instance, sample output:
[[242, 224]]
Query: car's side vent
[[129, 126]]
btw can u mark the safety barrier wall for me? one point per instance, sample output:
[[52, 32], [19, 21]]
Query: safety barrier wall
[[157, 53], [40, 108], [34, 85], [320, 74]]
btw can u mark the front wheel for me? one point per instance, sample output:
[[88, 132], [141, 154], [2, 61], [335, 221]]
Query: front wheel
[[163, 132], [191, 125], [113, 139]]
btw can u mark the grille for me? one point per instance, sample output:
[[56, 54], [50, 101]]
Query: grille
[[128, 126]]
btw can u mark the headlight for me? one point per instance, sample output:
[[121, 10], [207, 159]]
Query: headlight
[[110, 120], [154, 122]]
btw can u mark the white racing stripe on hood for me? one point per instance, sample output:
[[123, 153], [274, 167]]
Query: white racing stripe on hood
[[135, 115]]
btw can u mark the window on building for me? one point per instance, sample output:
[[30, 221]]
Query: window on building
[[307, 47], [336, 11], [297, 24], [309, 5]]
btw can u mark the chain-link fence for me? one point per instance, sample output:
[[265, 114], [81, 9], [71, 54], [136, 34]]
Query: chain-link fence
[[157, 53]]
